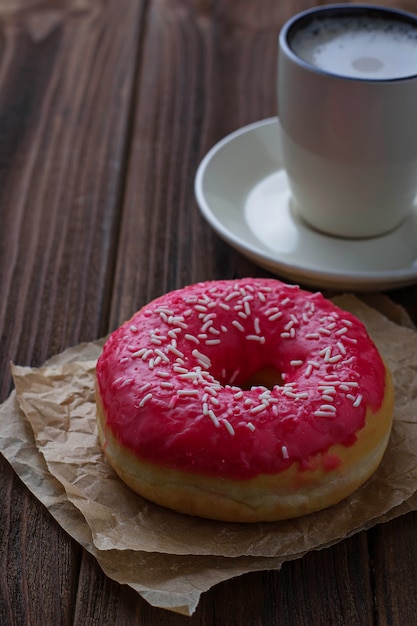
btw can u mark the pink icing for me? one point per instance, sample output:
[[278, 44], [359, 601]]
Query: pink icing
[[170, 378]]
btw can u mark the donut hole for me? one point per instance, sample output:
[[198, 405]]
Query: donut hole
[[267, 377]]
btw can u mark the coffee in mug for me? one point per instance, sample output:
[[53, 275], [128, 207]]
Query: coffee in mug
[[347, 106]]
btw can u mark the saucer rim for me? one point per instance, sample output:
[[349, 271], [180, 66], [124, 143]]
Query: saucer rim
[[394, 278]]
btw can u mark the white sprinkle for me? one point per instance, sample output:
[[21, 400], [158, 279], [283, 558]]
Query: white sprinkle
[[271, 311], [214, 331], [341, 331], [238, 395], [341, 347], [156, 340], [238, 325], [145, 399], [243, 315], [328, 407], [275, 316], [247, 402], [201, 308], [162, 374], [351, 397], [191, 338], [325, 353], [335, 358], [127, 381], [291, 394], [212, 342], [214, 401], [357, 401], [147, 354], [312, 336], [296, 362], [250, 426], [234, 376], [257, 326], [323, 414], [189, 375], [228, 426], [231, 295], [180, 370], [161, 355], [164, 309], [349, 339], [285, 335], [133, 328], [261, 296], [259, 338], [258, 408], [188, 392], [284, 451], [286, 301], [213, 417], [265, 394], [327, 398], [140, 352], [175, 350], [205, 408], [324, 331], [347, 322], [224, 306], [166, 385]]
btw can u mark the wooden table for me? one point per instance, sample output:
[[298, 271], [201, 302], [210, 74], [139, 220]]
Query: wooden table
[[106, 109]]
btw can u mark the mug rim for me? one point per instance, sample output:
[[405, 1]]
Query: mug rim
[[304, 17]]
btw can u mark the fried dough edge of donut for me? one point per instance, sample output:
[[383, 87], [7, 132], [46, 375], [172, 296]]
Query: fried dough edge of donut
[[286, 495]]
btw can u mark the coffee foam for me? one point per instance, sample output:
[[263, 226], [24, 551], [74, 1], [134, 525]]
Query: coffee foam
[[365, 47]]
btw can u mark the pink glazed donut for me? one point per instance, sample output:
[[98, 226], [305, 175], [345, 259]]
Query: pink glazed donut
[[243, 400]]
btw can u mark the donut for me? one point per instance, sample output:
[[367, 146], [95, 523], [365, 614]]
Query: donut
[[243, 400]]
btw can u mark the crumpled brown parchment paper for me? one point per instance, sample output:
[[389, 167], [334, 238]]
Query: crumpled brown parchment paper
[[48, 434]]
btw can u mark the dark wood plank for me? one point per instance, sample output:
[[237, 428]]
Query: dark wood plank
[[65, 99], [393, 549]]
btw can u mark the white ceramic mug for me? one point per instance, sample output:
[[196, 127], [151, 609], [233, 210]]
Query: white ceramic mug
[[347, 105]]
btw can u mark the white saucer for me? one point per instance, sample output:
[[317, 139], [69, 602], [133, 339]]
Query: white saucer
[[242, 191]]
